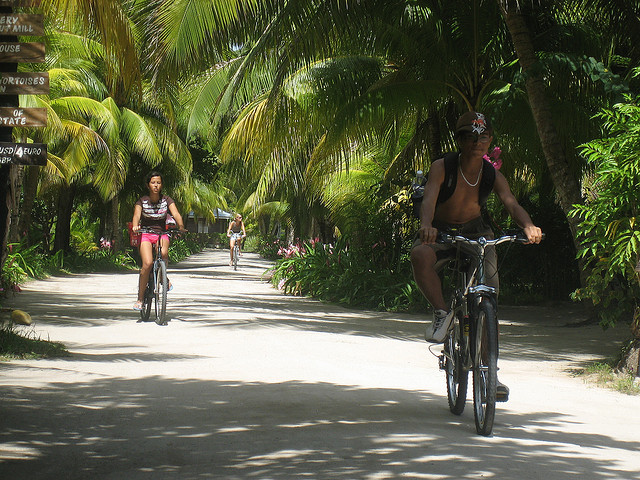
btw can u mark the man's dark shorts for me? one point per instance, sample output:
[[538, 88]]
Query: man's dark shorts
[[475, 228]]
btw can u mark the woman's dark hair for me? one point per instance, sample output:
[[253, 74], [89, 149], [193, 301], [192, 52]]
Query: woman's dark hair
[[151, 174]]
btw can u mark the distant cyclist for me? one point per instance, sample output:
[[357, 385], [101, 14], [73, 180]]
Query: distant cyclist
[[236, 232], [150, 214]]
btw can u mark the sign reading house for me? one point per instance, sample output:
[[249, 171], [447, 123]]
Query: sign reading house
[[15, 52], [23, 153]]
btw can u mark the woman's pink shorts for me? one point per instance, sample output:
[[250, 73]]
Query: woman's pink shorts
[[153, 237]]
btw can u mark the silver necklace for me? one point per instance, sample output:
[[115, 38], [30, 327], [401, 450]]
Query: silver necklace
[[465, 178]]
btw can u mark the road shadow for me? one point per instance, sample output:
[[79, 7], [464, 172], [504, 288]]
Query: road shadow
[[157, 427]]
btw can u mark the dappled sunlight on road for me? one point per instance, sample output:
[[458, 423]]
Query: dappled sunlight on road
[[245, 382]]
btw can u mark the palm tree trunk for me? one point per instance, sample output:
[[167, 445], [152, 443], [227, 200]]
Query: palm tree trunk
[[113, 224], [62, 240], [30, 189], [17, 179], [5, 211], [566, 184]]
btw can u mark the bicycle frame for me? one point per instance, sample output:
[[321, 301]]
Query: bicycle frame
[[157, 287], [237, 237], [472, 342]]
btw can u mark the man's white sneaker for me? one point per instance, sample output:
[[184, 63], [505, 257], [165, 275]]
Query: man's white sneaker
[[437, 331]]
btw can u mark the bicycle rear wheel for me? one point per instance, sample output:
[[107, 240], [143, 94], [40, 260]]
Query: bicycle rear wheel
[[147, 300], [457, 376], [236, 254], [485, 369], [161, 289]]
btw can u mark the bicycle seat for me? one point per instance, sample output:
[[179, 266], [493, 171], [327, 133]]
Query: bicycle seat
[[447, 256]]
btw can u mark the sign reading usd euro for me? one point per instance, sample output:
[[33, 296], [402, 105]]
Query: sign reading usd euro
[[23, 153]]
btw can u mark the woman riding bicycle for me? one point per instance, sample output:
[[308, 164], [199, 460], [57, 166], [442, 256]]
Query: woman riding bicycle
[[236, 233], [150, 215]]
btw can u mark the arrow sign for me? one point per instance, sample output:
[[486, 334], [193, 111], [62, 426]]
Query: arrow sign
[[23, 153], [22, 24], [23, 117], [14, 52], [24, 83]]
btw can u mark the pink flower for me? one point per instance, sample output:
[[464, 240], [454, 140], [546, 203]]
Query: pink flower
[[494, 158]]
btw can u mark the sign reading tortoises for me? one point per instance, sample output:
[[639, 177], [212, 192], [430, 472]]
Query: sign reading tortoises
[[24, 83]]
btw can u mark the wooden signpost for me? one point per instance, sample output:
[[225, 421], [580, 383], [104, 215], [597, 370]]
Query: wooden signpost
[[20, 3], [26, 83], [23, 153], [21, 52], [12, 26], [23, 117], [22, 24]]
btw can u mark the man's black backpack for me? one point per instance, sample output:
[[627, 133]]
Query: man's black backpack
[[450, 181]]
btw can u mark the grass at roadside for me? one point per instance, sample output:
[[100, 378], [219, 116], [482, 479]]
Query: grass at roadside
[[22, 344], [604, 375]]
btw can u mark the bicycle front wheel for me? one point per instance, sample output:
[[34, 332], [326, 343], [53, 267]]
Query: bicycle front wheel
[[236, 254], [145, 313], [485, 368], [457, 375], [161, 289]]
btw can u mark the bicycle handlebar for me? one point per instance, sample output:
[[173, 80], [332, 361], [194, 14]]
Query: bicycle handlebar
[[166, 231], [518, 237]]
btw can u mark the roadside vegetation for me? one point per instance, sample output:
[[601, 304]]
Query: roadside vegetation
[[607, 376], [22, 343]]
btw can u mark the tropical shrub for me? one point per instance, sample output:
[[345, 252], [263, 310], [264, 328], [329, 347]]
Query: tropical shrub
[[610, 227]]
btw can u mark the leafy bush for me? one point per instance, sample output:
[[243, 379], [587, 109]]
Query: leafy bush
[[341, 274], [269, 247], [610, 230]]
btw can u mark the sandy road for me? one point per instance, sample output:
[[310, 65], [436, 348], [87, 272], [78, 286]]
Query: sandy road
[[245, 382]]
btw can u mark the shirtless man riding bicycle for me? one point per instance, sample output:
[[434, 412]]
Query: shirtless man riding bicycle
[[454, 194]]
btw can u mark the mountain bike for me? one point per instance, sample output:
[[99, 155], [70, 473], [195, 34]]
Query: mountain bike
[[472, 341], [157, 288], [236, 249]]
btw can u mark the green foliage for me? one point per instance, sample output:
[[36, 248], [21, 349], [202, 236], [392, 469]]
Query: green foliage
[[344, 273], [603, 374], [22, 343], [186, 245], [609, 229], [21, 264], [269, 247]]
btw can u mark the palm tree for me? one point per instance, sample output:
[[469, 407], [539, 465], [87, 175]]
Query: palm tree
[[565, 179]]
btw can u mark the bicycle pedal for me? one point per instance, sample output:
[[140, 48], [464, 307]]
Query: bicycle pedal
[[441, 362]]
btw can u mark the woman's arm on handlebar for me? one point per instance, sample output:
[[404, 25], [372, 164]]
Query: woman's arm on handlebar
[[178, 218], [135, 222]]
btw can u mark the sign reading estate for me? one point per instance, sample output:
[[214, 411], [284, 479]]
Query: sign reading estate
[[23, 153], [22, 24], [23, 117], [24, 83], [14, 52]]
